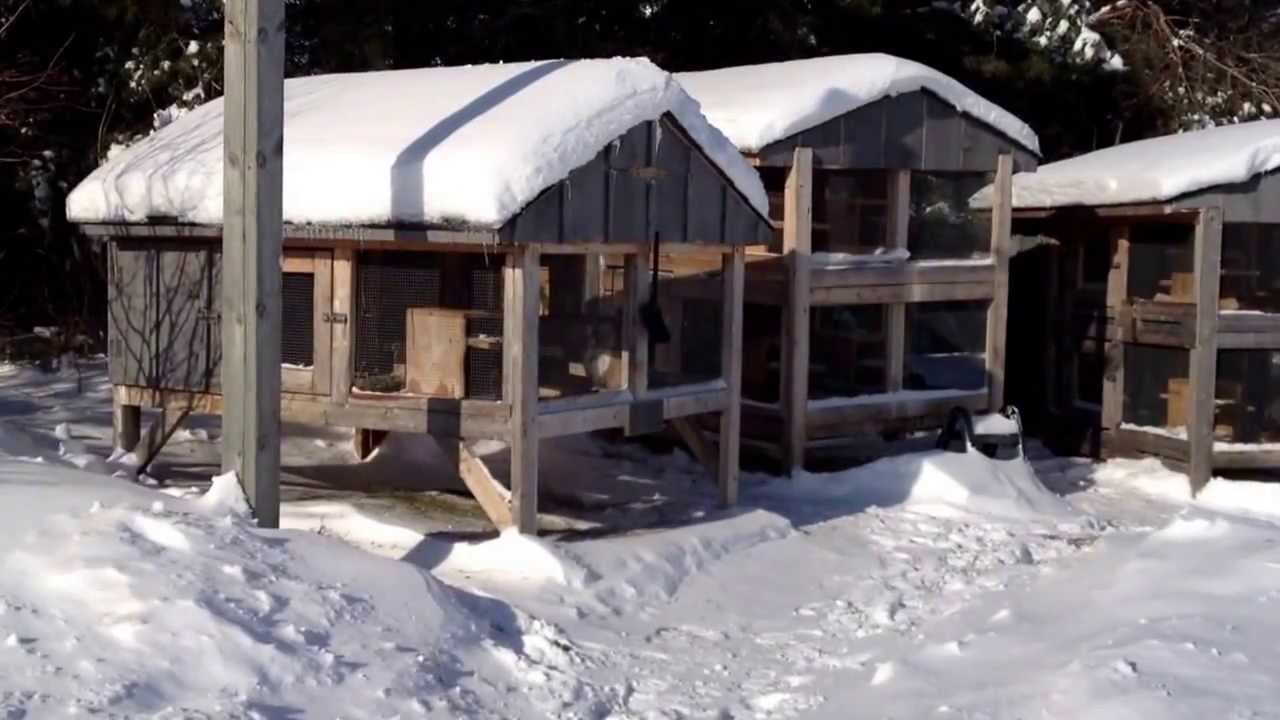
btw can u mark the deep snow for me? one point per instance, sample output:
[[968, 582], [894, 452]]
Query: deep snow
[[925, 585], [759, 104], [465, 145], [1151, 170]]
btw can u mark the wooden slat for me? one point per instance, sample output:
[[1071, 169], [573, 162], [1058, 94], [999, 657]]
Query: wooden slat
[[797, 246], [493, 498], [998, 313], [322, 357], [883, 294], [1204, 357], [702, 449], [731, 367], [911, 273], [520, 381], [1249, 341], [896, 319], [827, 417], [1117, 293], [342, 333], [635, 337]]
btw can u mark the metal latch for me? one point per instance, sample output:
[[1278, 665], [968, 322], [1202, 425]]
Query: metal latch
[[335, 318]]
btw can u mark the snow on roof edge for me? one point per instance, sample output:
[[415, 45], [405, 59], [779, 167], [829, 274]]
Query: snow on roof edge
[[482, 142], [756, 105], [1161, 169]]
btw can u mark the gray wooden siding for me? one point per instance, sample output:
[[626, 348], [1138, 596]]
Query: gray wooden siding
[[653, 179], [1255, 201], [913, 131], [162, 315]]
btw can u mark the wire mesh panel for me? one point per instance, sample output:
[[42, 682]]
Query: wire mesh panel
[[1247, 407], [390, 284], [297, 341], [1157, 391], [761, 352], [946, 346], [689, 294], [848, 350], [1251, 267], [1161, 262], [580, 330], [850, 211], [942, 224]]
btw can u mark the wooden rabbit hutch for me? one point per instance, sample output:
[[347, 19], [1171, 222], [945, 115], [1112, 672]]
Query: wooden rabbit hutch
[[506, 326], [878, 303], [1159, 288]]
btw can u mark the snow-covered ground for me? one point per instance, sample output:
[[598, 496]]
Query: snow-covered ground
[[927, 585]]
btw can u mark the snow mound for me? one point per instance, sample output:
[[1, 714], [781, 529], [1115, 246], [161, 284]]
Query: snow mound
[[451, 145], [939, 482], [1151, 477], [756, 105], [1152, 170], [518, 558], [225, 496], [119, 605]]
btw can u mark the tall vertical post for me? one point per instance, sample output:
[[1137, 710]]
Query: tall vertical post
[[998, 314], [733, 278], [896, 315], [1117, 297], [797, 245], [520, 285], [253, 145], [1204, 356]]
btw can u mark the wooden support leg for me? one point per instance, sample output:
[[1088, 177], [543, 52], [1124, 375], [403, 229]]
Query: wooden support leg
[[1117, 294], [520, 381], [158, 434], [367, 440], [797, 245], [731, 365], [494, 499], [703, 450], [126, 425], [1204, 357], [998, 314]]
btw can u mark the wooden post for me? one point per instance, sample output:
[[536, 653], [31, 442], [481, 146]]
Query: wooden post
[[126, 425], [998, 314], [1117, 295], [734, 279], [635, 336], [797, 245], [253, 146], [520, 281], [896, 320], [1204, 356], [343, 287]]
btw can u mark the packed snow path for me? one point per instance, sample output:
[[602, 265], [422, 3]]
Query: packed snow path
[[932, 585]]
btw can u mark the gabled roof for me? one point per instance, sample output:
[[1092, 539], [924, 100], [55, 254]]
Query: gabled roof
[[756, 105], [454, 146], [1154, 170]]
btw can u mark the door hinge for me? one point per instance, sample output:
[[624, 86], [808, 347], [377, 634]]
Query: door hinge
[[335, 318]]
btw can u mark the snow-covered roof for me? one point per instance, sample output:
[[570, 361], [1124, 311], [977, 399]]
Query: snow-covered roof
[[756, 105], [441, 146], [1154, 170]]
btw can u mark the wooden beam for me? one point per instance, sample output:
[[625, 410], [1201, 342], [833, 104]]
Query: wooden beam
[[635, 337], [888, 294], [1117, 295], [797, 246], [998, 313], [731, 367], [861, 413], [520, 381], [1204, 357], [493, 498], [344, 283], [699, 446], [253, 147], [158, 434], [322, 322], [896, 313], [126, 424]]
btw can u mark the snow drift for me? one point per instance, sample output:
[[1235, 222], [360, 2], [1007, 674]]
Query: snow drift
[[453, 145]]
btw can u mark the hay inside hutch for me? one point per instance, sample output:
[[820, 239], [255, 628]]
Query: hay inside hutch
[[1160, 312], [878, 303], [466, 330]]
